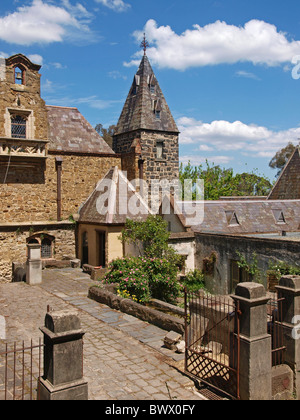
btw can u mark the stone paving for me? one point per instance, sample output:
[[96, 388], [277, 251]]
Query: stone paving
[[124, 358]]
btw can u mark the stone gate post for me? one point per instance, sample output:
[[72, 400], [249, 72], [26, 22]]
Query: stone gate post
[[63, 358], [34, 264], [289, 291], [255, 343]]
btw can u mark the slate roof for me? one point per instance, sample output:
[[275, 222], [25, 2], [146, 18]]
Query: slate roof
[[69, 131], [242, 217], [144, 98], [110, 203], [288, 184]]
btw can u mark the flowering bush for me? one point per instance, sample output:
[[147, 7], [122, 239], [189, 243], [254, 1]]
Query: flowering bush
[[145, 278]]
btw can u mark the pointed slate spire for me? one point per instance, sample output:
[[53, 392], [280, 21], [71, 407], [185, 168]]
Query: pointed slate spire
[[145, 106]]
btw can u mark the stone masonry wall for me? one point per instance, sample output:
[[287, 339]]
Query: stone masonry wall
[[166, 168], [23, 98], [13, 245], [226, 247], [30, 194]]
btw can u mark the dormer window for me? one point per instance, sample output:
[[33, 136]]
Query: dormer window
[[279, 217], [18, 127], [152, 88], [232, 218], [19, 76]]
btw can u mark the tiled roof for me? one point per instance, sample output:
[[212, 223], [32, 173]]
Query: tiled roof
[[111, 201], [69, 131], [242, 217], [145, 97], [287, 186]]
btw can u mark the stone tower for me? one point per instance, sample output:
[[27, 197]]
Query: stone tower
[[146, 131]]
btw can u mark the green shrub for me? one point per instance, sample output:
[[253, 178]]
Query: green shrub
[[194, 281], [145, 278], [283, 269]]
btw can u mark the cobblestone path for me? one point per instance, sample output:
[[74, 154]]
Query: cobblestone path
[[123, 356]]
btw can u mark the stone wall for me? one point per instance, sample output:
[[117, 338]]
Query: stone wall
[[31, 194], [225, 247], [165, 168], [24, 98], [13, 244]]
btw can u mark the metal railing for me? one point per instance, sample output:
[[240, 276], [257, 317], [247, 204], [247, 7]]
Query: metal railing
[[20, 368], [275, 329]]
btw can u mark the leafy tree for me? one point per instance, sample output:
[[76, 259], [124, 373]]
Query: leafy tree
[[281, 158], [106, 134], [221, 182], [152, 234]]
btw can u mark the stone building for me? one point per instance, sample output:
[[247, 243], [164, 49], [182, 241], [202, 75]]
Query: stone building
[[103, 217], [263, 230], [146, 138], [146, 134], [50, 161]]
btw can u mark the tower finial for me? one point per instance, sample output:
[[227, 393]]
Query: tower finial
[[144, 44]]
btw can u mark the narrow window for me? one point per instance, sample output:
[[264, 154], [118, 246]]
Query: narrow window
[[46, 249], [159, 150], [18, 127], [157, 115], [19, 76], [152, 88]]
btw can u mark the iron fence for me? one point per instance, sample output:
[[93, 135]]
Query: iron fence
[[275, 329], [20, 368]]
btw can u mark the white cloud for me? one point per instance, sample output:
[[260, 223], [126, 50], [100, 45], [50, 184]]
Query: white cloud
[[247, 75], [91, 101], [44, 23], [199, 160], [117, 5], [224, 136], [36, 58], [257, 42]]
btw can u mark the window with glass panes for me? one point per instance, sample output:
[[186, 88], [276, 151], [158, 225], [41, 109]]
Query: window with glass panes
[[18, 127]]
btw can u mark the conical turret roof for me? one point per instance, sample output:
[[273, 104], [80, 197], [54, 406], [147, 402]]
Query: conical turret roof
[[145, 106]]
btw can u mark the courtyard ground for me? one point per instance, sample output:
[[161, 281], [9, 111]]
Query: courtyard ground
[[124, 357]]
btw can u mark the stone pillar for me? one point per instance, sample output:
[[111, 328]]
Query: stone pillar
[[255, 343], [34, 264], [63, 358], [289, 290]]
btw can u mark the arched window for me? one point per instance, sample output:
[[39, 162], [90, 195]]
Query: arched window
[[18, 127], [47, 244], [33, 241], [19, 76]]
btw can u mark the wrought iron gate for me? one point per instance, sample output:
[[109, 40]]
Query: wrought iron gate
[[275, 328], [20, 367], [213, 341]]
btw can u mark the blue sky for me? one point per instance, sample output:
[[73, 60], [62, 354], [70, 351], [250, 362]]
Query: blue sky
[[228, 69]]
